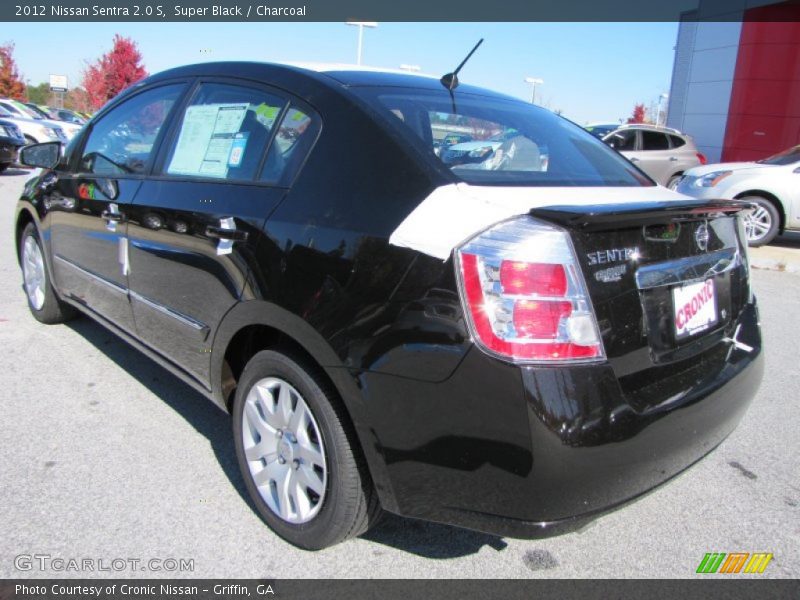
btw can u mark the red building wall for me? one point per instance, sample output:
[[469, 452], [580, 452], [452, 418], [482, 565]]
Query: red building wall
[[764, 113]]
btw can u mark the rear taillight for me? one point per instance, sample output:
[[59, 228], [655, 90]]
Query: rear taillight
[[702, 158], [525, 296]]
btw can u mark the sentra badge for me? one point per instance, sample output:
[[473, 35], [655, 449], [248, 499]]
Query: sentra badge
[[611, 255]]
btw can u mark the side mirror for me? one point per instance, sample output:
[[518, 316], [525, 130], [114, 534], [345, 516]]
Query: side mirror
[[44, 156]]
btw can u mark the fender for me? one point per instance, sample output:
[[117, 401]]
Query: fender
[[260, 312], [26, 207]]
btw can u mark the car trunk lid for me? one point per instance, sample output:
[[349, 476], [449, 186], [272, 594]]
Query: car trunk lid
[[668, 282]]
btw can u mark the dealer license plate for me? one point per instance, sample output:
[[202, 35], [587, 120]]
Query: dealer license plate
[[694, 308]]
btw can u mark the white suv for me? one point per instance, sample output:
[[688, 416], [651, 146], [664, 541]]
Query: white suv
[[661, 152]]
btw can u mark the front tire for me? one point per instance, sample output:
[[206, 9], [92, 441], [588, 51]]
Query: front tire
[[45, 305], [760, 224], [298, 454]]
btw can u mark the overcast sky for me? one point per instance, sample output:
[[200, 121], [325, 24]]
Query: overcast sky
[[591, 71]]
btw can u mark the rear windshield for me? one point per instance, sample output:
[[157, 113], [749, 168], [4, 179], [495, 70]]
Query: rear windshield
[[495, 141]]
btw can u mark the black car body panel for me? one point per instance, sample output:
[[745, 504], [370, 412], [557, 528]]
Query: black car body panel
[[449, 433], [553, 446]]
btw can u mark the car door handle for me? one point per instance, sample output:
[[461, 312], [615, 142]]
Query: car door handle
[[221, 233], [111, 217], [673, 158], [634, 159]]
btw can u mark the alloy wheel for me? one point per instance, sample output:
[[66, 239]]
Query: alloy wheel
[[757, 223], [33, 272], [284, 450]]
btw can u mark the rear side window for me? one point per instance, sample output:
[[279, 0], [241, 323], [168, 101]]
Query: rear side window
[[224, 132], [122, 141], [293, 140], [652, 140], [676, 141]]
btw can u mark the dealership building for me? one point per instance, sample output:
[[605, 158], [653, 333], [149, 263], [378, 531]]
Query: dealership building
[[736, 78]]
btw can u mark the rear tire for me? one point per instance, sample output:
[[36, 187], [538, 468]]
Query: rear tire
[[45, 305], [298, 454], [762, 223]]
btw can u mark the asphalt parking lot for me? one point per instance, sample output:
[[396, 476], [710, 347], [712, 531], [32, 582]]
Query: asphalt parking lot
[[105, 455]]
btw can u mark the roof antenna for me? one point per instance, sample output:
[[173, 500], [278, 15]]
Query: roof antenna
[[450, 81]]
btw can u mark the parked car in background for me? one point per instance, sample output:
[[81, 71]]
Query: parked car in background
[[11, 140], [482, 154], [505, 346], [35, 130], [661, 152], [41, 112], [66, 115], [771, 184], [601, 129], [18, 109], [449, 139], [57, 114]]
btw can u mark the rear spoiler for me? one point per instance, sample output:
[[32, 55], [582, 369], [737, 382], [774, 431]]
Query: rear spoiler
[[600, 217]]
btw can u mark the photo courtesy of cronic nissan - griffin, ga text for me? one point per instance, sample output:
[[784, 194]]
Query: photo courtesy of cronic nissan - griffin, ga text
[[513, 341]]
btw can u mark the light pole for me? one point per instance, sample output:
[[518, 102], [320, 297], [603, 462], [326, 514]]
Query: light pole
[[533, 81], [361, 25], [658, 110]]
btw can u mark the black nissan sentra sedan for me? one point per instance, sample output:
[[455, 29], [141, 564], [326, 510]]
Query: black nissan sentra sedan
[[512, 344]]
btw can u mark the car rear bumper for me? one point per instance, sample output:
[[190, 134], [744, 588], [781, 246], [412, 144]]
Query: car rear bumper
[[536, 451]]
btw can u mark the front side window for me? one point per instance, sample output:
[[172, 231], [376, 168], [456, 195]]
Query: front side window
[[123, 140], [622, 141], [224, 132], [492, 140]]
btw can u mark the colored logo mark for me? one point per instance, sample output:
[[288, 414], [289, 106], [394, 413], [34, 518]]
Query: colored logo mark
[[734, 562], [86, 191]]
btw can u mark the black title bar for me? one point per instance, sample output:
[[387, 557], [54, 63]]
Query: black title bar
[[377, 10], [344, 589]]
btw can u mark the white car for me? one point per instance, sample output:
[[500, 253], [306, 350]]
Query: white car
[[35, 131], [20, 111], [772, 184], [487, 153]]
